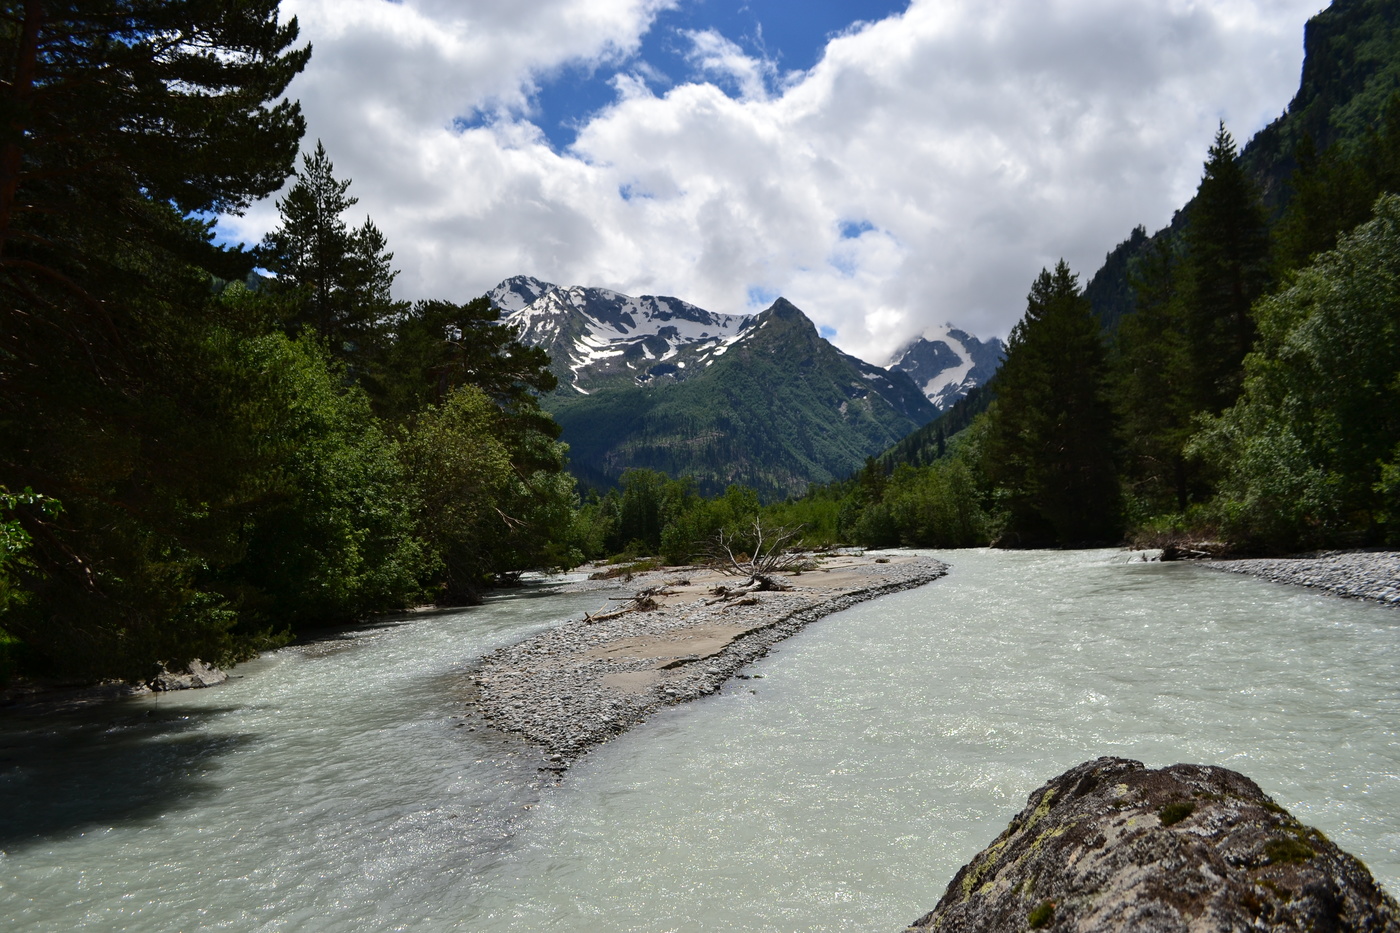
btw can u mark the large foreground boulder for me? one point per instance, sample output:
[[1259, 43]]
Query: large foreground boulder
[[1111, 845]]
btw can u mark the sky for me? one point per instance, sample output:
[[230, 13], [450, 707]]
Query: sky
[[887, 166]]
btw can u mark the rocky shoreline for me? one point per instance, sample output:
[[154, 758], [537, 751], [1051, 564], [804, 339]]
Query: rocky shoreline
[[1373, 575], [682, 637]]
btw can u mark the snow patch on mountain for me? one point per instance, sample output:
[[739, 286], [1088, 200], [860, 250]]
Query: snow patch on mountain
[[586, 330], [947, 363], [597, 337]]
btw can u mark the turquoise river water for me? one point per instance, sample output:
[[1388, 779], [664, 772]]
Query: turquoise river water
[[333, 787]]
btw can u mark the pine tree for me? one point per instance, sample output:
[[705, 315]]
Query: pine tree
[[1334, 191], [1226, 268], [1152, 384], [1050, 447], [121, 121], [334, 280]]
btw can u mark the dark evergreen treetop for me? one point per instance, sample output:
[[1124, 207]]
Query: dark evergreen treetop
[[1050, 446], [1110, 291], [118, 120], [339, 279], [173, 94], [1227, 266]]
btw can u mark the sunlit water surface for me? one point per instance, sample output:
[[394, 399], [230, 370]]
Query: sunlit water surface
[[334, 789]]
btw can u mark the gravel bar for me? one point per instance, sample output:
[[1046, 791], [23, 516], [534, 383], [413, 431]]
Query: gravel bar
[[1373, 575], [587, 680]]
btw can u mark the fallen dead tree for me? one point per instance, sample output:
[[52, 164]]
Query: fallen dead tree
[[770, 553]]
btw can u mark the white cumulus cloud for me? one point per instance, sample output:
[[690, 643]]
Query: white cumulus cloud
[[923, 171]]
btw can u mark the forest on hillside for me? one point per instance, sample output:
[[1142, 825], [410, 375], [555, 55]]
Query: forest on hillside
[[1246, 405]]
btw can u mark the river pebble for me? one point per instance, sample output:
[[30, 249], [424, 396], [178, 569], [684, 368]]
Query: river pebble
[[1371, 575]]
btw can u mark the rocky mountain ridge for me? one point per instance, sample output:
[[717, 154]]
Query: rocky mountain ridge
[[601, 339], [658, 383], [949, 364]]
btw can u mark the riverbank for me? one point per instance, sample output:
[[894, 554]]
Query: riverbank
[[683, 636], [1372, 575]]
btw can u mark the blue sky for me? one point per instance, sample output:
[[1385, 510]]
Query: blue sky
[[889, 167], [793, 36]]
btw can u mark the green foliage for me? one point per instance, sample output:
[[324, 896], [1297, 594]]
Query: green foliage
[[14, 539], [333, 280], [1350, 69], [1333, 191], [1172, 813], [439, 346], [122, 121], [224, 479], [942, 504], [1181, 352], [1049, 442], [760, 414], [934, 506], [1226, 267], [1042, 915], [1111, 292], [337, 540], [1305, 451], [930, 442], [689, 536], [1288, 851], [1388, 492], [817, 514], [1151, 376]]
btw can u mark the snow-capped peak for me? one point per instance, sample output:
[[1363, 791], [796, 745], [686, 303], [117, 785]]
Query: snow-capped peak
[[946, 363], [597, 335], [517, 292]]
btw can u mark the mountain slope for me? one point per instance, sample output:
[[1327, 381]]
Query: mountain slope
[[761, 400], [947, 366], [1351, 67]]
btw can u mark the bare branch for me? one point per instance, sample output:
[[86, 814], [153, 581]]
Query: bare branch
[[771, 554]]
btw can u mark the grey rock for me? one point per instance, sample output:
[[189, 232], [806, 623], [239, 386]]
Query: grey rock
[[1111, 845], [197, 674]]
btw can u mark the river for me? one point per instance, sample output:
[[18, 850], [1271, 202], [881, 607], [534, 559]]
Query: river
[[336, 787]]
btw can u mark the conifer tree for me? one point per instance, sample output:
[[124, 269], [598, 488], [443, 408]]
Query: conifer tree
[[1050, 448], [122, 121], [1333, 191], [1226, 268], [113, 114], [1152, 383], [335, 280]]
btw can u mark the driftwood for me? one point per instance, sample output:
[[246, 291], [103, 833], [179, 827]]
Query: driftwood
[[643, 601], [771, 555]]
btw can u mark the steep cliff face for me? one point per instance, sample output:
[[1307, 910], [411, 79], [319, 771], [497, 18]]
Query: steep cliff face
[[1111, 845]]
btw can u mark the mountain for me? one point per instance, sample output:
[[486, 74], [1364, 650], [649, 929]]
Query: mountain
[[757, 399], [599, 338], [948, 365], [1351, 68]]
